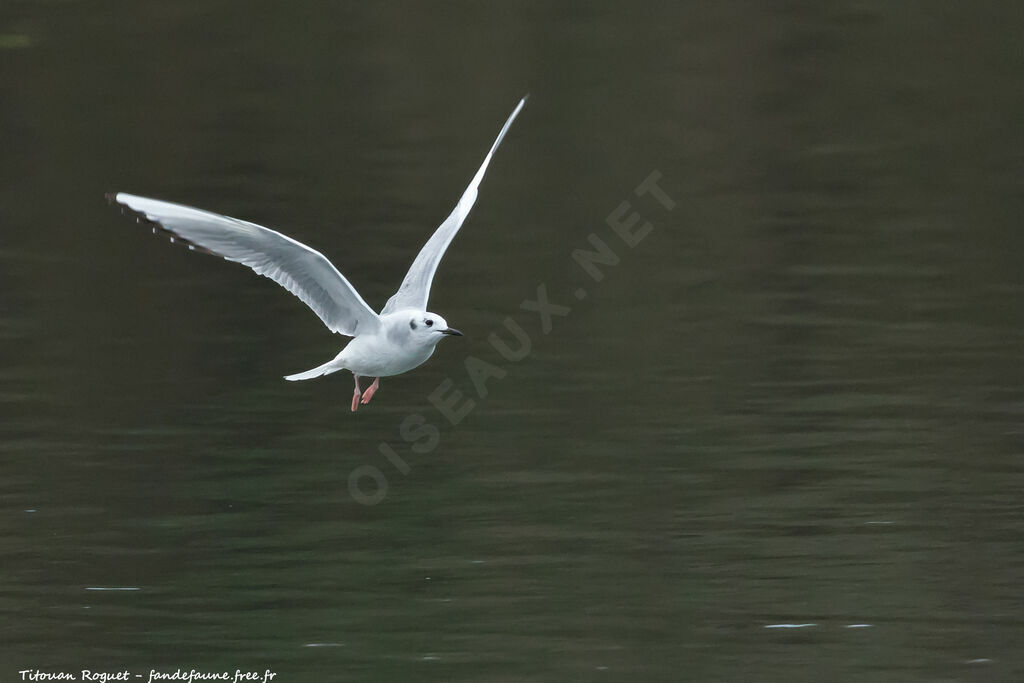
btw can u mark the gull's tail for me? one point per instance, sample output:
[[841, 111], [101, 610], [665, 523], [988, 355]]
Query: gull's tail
[[325, 369]]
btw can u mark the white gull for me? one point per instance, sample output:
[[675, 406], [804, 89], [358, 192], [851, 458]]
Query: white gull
[[400, 338]]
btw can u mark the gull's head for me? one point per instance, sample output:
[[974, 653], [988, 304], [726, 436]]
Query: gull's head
[[430, 328]]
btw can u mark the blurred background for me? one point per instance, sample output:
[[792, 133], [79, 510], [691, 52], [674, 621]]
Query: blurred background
[[780, 441]]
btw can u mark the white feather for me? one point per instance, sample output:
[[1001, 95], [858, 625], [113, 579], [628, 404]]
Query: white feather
[[304, 272], [415, 289]]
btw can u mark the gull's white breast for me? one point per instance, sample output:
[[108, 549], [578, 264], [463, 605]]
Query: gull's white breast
[[386, 352]]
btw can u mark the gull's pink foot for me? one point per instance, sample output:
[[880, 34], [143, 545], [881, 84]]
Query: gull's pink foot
[[355, 395], [371, 390]]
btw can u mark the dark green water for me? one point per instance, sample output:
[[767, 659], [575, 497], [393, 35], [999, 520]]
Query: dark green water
[[797, 401]]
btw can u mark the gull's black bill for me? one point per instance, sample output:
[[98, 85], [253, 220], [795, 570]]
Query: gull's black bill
[[452, 331]]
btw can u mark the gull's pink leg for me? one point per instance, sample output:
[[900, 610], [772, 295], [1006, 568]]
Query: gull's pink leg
[[356, 394], [371, 390]]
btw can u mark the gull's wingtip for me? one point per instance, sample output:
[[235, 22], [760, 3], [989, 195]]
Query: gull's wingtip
[[122, 198], [511, 118]]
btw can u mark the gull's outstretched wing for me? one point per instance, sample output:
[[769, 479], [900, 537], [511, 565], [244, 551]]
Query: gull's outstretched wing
[[415, 287], [302, 271]]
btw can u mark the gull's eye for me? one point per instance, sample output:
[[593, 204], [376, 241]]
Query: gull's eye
[[430, 322]]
